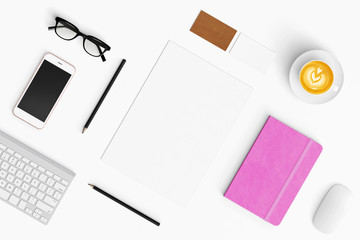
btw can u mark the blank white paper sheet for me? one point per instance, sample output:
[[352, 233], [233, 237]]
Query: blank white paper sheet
[[177, 123]]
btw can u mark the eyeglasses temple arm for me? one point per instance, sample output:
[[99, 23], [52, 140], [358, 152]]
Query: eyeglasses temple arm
[[102, 54], [53, 27]]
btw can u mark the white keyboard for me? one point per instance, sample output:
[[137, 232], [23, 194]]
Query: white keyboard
[[30, 181]]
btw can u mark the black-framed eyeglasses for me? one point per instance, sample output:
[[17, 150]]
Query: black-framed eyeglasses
[[68, 31]]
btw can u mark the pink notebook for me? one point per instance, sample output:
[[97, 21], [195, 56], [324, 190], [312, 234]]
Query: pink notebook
[[273, 171]]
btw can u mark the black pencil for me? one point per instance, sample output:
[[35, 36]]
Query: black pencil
[[104, 95], [124, 205]]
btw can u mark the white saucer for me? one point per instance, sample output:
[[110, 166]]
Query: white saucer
[[325, 57]]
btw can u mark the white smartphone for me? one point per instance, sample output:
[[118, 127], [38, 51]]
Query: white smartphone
[[44, 90]]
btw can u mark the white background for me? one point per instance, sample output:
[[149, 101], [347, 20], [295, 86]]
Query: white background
[[138, 31]]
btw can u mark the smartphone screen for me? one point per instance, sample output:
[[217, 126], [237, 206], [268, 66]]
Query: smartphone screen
[[44, 90]]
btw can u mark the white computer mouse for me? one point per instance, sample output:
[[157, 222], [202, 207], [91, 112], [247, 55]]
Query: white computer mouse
[[333, 208]]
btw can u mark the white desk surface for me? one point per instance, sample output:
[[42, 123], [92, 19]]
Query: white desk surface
[[138, 31]]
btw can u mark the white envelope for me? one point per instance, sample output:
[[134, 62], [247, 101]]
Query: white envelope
[[253, 53]]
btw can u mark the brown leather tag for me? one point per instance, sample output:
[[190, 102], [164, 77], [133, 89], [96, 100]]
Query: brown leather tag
[[213, 30]]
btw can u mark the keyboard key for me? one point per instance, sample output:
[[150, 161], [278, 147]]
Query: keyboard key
[[14, 200], [41, 169], [17, 192], [27, 178], [2, 183], [27, 161], [10, 151], [64, 182], [32, 191], [50, 174], [42, 206], [22, 205], [42, 187], [18, 156], [5, 156], [17, 182], [59, 187], [32, 200], [20, 165], [50, 182], [25, 196], [34, 165], [3, 173], [4, 194], [5, 165], [43, 177], [12, 170], [25, 186], [35, 182], [57, 178], [57, 195], [27, 169], [29, 211], [50, 191], [35, 173], [40, 195], [52, 202], [20, 174], [13, 160], [10, 187], [10, 178], [38, 211], [43, 219]]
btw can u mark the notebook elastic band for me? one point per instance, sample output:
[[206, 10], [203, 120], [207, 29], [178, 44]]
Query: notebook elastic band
[[288, 180]]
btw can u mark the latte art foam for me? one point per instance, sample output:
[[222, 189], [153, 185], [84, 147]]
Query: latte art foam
[[316, 77]]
